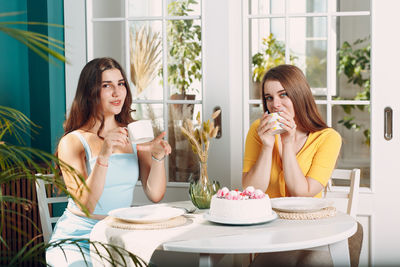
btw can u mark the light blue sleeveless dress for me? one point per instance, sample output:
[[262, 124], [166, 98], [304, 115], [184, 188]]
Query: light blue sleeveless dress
[[122, 176]]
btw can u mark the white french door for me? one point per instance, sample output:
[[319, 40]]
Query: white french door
[[383, 200]]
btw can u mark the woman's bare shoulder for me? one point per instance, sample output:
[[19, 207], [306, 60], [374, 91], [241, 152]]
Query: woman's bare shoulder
[[70, 143]]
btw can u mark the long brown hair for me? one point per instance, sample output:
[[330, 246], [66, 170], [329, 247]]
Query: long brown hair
[[85, 107], [298, 90]]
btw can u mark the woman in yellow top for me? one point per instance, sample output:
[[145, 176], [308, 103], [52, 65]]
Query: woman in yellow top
[[300, 161]]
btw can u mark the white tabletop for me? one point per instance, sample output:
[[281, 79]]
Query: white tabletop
[[201, 236], [278, 235]]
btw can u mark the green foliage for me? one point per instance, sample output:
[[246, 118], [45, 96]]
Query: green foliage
[[272, 54], [21, 163], [184, 48], [107, 253], [354, 63], [41, 44], [18, 162]]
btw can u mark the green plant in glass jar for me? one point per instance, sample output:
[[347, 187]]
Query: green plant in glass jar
[[199, 137]]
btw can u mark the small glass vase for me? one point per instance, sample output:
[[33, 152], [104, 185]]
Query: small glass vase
[[202, 190]]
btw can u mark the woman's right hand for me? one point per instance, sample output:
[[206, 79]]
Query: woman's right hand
[[117, 137], [264, 131]]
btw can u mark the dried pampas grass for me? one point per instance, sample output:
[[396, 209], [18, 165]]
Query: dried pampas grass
[[200, 137], [145, 57]]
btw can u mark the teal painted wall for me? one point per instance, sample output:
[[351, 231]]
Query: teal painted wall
[[27, 82], [14, 76], [55, 12]]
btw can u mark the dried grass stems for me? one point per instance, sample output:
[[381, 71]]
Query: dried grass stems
[[199, 137], [145, 57]]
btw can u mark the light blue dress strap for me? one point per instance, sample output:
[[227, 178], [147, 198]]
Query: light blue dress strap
[[134, 148], [88, 152]]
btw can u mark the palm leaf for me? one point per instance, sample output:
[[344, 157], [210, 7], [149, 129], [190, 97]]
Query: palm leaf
[[14, 122], [8, 14], [38, 43], [18, 162]]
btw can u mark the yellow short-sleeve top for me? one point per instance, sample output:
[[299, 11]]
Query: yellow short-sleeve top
[[317, 158]]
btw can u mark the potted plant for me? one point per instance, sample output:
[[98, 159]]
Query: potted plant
[[184, 69], [184, 49]]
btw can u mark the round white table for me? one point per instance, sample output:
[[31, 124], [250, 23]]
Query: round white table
[[213, 240]]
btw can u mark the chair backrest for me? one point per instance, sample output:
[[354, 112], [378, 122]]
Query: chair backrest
[[44, 199], [351, 193]]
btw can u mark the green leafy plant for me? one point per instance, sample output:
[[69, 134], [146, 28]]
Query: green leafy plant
[[41, 44], [354, 63], [19, 162], [184, 48], [272, 54]]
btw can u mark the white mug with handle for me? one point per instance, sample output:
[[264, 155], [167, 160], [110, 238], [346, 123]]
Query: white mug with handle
[[140, 131]]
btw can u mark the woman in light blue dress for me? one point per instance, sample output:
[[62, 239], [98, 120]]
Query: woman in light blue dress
[[96, 144]]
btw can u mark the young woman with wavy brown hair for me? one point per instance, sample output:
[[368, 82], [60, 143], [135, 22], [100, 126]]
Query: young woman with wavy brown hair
[[300, 161], [96, 144]]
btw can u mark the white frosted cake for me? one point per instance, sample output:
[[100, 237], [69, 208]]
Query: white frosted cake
[[235, 205]]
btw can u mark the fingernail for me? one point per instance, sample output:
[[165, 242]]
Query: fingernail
[[280, 124]]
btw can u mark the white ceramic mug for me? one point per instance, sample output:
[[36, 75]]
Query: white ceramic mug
[[140, 131], [277, 129]]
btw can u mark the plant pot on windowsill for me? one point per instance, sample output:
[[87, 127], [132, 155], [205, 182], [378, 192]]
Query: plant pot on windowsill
[[182, 111]]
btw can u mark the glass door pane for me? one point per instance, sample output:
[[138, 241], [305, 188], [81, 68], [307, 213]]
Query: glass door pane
[[352, 117]]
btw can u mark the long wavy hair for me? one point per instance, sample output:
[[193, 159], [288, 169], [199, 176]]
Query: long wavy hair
[[86, 107], [298, 90]]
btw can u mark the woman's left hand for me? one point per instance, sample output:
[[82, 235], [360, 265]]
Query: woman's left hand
[[158, 148]]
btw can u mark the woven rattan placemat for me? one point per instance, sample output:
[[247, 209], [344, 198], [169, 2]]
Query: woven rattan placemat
[[177, 221], [320, 214]]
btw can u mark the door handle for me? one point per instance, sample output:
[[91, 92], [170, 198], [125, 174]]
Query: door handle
[[388, 123], [218, 122]]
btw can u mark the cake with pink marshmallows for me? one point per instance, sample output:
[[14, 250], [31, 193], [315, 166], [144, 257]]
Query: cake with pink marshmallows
[[251, 204]]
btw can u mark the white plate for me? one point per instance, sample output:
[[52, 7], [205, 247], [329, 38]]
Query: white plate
[[299, 204], [144, 214], [215, 219]]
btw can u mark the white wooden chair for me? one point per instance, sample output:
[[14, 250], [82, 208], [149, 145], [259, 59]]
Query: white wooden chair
[[43, 202], [349, 193]]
